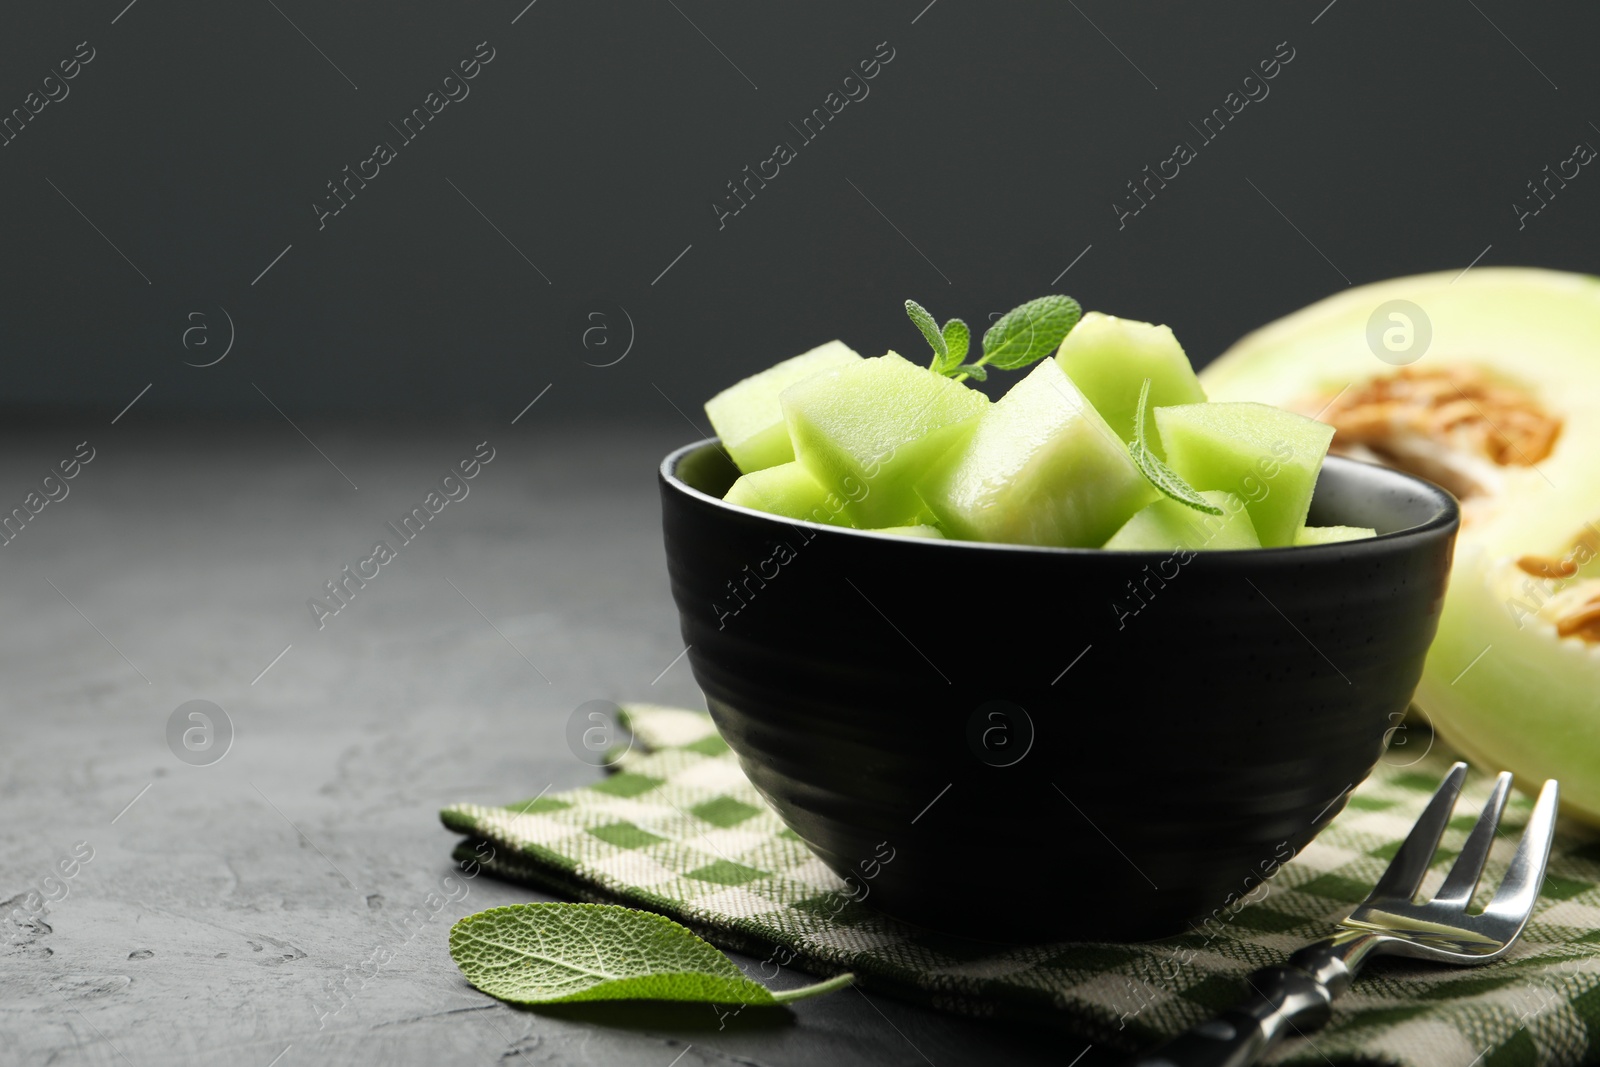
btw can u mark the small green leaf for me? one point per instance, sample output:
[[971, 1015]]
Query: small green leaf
[[930, 330], [957, 338], [972, 370], [556, 953], [1158, 473], [1028, 333], [1162, 477]]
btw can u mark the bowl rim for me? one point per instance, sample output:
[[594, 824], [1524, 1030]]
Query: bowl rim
[[1446, 518]]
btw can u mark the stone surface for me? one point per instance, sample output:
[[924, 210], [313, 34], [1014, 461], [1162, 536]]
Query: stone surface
[[222, 899]]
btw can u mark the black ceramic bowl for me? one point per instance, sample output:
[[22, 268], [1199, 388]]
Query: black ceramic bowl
[[1055, 743]]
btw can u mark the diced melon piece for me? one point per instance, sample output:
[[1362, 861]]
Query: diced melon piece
[[1043, 468], [931, 532], [871, 430], [748, 418], [1266, 455], [1167, 525], [1327, 535], [788, 490], [1109, 358]]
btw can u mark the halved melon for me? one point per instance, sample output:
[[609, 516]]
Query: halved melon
[[1506, 688], [1497, 399]]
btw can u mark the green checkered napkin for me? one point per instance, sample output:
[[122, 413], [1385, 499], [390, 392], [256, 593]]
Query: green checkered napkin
[[677, 829]]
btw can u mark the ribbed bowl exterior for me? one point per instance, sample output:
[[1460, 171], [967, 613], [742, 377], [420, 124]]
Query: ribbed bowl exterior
[[1186, 724]]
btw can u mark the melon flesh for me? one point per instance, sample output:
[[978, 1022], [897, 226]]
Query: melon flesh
[[1530, 704], [872, 429], [930, 532], [1327, 535], [1507, 685], [1167, 525], [747, 415], [1268, 456], [1109, 358], [1043, 468], [1531, 331], [788, 490]]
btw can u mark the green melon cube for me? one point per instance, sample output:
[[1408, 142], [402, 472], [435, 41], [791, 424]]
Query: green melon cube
[[871, 430], [1266, 455], [748, 418], [788, 490], [930, 532], [1109, 358], [1327, 535], [1167, 525], [1043, 468]]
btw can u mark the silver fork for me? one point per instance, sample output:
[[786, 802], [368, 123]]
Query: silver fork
[[1298, 995]]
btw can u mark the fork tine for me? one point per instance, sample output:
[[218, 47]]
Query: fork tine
[[1405, 871], [1525, 876], [1462, 881]]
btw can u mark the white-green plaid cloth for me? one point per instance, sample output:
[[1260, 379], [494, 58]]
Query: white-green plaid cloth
[[677, 829]]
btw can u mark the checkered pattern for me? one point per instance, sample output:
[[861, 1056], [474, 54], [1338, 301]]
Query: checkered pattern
[[678, 830]]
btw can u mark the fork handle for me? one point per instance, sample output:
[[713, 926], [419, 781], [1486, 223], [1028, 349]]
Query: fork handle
[[1284, 997]]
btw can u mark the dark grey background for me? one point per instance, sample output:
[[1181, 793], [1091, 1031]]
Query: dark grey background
[[996, 141], [985, 161]]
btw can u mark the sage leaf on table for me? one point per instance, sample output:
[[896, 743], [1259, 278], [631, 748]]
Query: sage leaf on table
[[558, 953]]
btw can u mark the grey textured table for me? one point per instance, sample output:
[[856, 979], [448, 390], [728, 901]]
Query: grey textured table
[[222, 899]]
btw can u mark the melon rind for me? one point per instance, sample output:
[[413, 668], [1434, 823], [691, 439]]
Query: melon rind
[[1507, 692]]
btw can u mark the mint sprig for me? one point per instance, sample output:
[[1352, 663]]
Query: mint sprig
[[957, 337], [1028, 333], [1022, 336], [949, 344], [558, 953], [924, 321], [1158, 473]]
